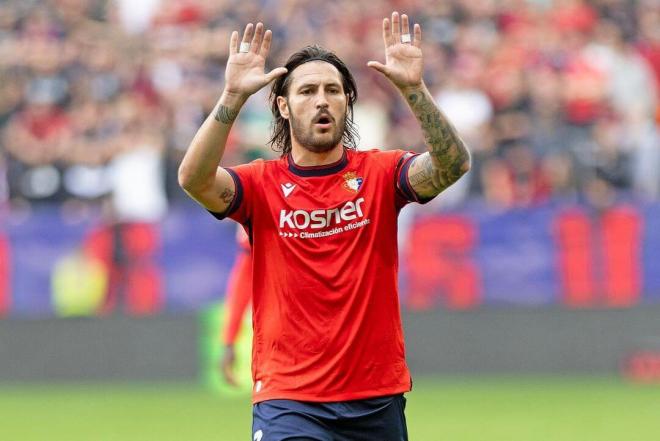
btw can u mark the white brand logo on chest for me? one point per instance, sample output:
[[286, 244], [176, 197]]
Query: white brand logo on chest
[[316, 219], [287, 188]]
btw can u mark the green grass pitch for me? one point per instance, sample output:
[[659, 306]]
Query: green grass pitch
[[456, 409]]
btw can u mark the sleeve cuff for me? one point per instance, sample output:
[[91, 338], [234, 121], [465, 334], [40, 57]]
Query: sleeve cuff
[[403, 183], [236, 202]]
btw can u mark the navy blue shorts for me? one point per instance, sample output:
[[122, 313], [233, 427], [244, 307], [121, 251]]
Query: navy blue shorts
[[379, 419]]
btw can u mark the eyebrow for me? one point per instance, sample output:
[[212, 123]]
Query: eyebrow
[[303, 85]]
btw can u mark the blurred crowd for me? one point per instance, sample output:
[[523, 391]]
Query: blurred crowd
[[100, 98]]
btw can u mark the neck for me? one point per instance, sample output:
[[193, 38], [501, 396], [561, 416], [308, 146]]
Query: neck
[[305, 158]]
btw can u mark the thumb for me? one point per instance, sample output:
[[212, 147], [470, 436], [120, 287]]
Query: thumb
[[379, 67], [277, 72]]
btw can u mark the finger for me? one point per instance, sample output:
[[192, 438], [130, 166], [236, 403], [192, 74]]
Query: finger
[[248, 33], [233, 43], [265, 45], [378, 66], [387, 33], [405, 27], [396, 28], [417, 40], [255, 45], [277, 72]]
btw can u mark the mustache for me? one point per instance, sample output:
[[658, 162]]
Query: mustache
[[323, 114]]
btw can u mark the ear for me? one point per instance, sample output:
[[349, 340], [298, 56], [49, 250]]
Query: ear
[[283, 105]]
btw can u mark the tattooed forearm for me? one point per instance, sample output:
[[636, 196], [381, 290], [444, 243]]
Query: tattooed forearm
[[448, 157], [227, 196], [225, 114]]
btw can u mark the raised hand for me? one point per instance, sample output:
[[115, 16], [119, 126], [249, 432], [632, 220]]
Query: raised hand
[[245, 74], [403, 54]]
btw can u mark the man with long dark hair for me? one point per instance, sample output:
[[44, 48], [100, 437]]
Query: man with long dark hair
[[328, 354]]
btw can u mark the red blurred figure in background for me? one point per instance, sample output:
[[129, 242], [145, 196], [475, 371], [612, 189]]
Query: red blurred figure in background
[[238, 297]]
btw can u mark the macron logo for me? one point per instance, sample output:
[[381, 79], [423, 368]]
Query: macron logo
[[287, 189], [258, 435]]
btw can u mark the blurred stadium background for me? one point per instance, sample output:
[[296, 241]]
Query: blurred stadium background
[[530, 290]]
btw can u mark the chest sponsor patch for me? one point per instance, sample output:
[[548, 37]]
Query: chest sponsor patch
[[345, 218]]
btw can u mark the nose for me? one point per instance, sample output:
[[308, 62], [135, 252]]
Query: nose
[[321, 100]]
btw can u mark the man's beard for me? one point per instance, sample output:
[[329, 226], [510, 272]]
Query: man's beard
[[314, 143]]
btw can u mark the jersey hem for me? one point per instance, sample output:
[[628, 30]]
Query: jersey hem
[[349, 396]]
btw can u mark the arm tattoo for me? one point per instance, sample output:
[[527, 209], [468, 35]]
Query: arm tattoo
[[424, 176], [448, 156], [225, 114], [227, 196]]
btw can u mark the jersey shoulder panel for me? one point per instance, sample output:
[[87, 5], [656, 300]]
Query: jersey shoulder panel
[[248, 179], [387, 159], [395, 164]]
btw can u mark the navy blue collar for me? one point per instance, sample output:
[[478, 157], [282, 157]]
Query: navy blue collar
[[317, 170]]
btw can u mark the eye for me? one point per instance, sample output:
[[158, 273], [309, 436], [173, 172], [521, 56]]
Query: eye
[[306, 92]]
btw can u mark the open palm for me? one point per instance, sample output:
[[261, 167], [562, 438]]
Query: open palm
[[245, 74], [403, 60]]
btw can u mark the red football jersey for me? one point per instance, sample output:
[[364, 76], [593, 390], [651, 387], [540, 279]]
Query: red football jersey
[[326, 318]]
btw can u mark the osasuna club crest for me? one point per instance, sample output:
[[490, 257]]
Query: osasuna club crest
[[352, 182]]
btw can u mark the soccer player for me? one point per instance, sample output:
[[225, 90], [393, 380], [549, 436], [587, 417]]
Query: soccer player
[[328, 358], [239, 294]]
